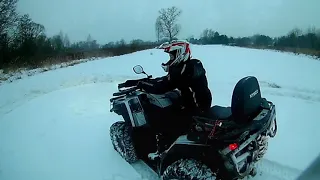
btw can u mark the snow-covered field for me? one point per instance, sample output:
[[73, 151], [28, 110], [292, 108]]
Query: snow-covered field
[[55, 125]]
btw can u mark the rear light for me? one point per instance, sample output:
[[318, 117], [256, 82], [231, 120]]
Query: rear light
[[233, 146]]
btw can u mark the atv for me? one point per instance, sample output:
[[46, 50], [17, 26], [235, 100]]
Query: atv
[[150, 120], [224, 143]]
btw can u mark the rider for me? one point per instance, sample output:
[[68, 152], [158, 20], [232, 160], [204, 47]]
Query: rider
[[185, 74]]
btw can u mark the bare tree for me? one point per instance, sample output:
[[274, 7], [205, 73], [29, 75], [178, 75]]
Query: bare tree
[[91, 43], [89, 38], [158, 29], [168, 21], [312, 30], [8, 14], [318, 33], [207, 33], [57, 42], [295, 32], [27, 29], [66, 41]]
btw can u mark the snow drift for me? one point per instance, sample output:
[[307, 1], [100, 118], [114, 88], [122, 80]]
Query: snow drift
[[54, 125]]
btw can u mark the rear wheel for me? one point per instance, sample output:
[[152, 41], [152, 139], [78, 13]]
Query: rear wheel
[[120, 134], [188, 169], [273, 128]]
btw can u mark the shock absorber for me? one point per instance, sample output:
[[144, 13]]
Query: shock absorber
[[160, 143], [160, 147]]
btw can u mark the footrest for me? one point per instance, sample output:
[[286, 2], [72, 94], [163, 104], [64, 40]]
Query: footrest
[[154, 156]]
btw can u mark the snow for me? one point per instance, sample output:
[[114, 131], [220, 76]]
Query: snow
[[71, 143], [55, 124]]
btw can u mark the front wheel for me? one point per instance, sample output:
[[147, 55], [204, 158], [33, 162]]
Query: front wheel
[[188, 169], [120, 134]]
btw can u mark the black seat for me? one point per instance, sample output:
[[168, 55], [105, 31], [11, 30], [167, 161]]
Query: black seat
[[246, 105], [219, 113], [215, 113]]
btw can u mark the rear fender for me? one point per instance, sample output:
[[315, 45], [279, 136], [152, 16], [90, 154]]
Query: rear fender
[[183, 148], [233, 158]]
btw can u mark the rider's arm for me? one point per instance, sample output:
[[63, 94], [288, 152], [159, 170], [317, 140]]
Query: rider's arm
[[157, 86]]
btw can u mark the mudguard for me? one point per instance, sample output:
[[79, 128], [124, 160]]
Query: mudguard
[[131, 109]]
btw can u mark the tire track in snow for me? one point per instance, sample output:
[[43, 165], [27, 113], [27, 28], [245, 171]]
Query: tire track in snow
[[299, 93], [274, 170], [266, 170], [279, 90], [30, 93], [145, 171]]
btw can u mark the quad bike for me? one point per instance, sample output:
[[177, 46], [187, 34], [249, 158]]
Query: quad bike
[[223, 143]]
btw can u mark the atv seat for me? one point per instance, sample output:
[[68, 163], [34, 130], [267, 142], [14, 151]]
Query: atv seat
[[228, 130], [219, 113], [215, 113], [246, 105]]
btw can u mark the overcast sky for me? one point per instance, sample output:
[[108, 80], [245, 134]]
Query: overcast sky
[[111, 20]]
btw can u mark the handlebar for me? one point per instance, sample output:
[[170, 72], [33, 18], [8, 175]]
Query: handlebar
[[129, 83], [126, 91], [134, 82]]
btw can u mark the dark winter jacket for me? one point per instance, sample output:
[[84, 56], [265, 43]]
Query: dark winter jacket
[[190, 78]]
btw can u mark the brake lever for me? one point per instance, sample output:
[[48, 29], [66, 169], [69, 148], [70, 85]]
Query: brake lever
[[121, 85]]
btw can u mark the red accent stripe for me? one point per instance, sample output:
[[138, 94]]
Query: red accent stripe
[[212, 133], [187, 48], [177, 44]]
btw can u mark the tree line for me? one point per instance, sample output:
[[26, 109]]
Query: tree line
[[296, 38], [24, 43], [308, 42]]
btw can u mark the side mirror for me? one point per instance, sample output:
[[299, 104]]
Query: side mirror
[[138, 69]]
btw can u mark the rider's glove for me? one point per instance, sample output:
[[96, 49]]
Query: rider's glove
[[144, 85], [128, 83]]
